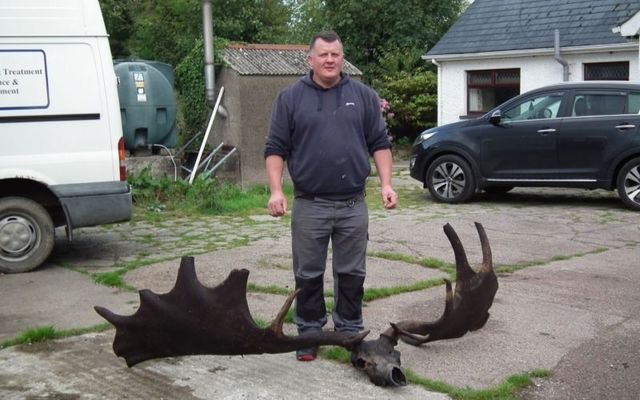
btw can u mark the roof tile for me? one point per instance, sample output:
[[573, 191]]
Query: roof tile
[[525, 24]]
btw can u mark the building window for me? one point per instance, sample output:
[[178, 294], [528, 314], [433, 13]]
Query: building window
[[607, 71], [489, 88]]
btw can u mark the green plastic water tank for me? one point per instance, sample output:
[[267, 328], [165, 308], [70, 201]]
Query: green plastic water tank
[[147, 104]]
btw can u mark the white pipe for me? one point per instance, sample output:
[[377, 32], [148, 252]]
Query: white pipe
[[440, 108], [206, 136]]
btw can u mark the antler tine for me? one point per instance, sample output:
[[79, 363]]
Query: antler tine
[[487, 259], [278, 322], [463, 270], [416, 332]]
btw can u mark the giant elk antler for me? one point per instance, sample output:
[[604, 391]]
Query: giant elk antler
[[466, 309], [194, 319]]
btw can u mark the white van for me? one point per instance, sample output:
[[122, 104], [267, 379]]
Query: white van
[[61, 144]]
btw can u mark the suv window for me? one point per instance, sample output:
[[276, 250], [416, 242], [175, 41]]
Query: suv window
[[634, 103], [543, 106], [604, 104]]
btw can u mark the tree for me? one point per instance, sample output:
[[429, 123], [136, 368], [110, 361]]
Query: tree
[[118, 18], [167, 30], [387, 40], [372, 28], [307, 18]]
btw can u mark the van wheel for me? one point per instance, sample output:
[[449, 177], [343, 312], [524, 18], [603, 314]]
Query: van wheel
[[26, 234], [450, 179], [629, 184]]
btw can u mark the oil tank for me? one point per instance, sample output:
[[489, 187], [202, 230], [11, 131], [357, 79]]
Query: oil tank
[[147, 104]]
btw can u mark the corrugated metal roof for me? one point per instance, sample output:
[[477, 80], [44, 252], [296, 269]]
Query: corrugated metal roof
[[502, 25], [273, 59]]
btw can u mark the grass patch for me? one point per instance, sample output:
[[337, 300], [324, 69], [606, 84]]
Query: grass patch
[[113, 279], [271, 289], [44, 333], [515, 267], [335, 353], [372, 294], [428, 262], [504, 391]]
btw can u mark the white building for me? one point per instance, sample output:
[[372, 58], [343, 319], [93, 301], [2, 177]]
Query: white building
[[500, 48]]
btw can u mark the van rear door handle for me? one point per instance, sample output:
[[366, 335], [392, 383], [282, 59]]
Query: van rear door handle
[[545, 131], [625, 126]]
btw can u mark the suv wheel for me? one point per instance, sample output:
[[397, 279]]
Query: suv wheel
[[26, 234], [629, 184], [450, 179]]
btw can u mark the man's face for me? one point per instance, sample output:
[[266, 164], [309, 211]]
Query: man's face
[[326, 60]]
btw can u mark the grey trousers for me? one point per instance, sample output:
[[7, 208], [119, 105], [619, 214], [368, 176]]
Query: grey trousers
[[314, 223]]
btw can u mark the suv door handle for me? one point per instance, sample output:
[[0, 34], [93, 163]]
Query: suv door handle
[[545, 131], [625, 126]]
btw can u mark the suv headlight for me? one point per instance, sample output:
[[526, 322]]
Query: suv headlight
[[424, 136]]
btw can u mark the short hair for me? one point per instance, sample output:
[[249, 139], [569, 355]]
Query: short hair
[[327, 36]]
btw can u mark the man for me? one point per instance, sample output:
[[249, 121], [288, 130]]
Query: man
[[325, 126]]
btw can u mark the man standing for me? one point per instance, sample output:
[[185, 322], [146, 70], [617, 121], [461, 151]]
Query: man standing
[[325, 126]]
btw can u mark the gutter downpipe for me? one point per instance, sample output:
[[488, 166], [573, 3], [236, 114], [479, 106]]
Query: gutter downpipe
[[209, 70], [440, 108], [565, 64]]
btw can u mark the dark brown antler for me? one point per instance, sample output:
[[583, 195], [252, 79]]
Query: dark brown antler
[[194, 319], [466, 309]]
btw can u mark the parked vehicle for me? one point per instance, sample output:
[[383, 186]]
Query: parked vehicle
[[580, 134], [61, 145]]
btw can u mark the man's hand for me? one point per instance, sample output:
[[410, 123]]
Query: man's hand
[[389, 197], [277, 205]]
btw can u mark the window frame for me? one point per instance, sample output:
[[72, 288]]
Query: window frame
[[586, 66], [493, 85]]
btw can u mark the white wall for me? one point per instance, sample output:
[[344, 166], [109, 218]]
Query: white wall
[[535, 71]]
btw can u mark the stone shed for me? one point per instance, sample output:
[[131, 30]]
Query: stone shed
[[252, 77]]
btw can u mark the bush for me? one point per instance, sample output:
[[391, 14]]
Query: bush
[[411, 89], [190, 86], [207, 195], [413, 99]]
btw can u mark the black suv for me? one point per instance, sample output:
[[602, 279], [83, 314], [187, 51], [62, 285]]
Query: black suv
[[580, 134]]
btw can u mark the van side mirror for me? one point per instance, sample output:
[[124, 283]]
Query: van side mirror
[[496, 117]]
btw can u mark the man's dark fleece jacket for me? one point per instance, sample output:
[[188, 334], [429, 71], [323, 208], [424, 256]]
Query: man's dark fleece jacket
[[327, 135]]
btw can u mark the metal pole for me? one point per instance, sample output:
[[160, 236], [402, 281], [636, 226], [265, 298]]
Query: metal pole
[[206, 135]]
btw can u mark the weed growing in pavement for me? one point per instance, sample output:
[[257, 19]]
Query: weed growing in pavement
[[503, 391], [506, 269], [41, 334], [271, 289], [335, 353]]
